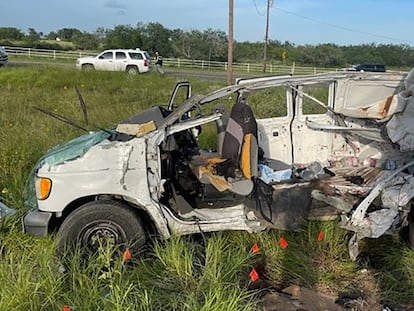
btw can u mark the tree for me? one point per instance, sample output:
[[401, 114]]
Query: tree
[[155, 37], [11, 33], [209, 45], [100, 33], [86, 41], [216, 42], [123, 36], [52, 35], [179, 43], [33, 36], [67, 34]]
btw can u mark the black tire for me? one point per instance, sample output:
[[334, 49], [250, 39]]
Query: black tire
[[132, 70], [98, 222], [88, 67]]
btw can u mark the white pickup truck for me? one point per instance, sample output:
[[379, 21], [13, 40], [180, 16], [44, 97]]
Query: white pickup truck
[[285, 149]]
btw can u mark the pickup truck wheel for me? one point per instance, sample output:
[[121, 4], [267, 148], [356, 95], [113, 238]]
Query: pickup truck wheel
[[88, 67], [100, 224], [132, 70]]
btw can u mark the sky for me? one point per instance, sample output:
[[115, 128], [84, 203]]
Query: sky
[[342, 22]]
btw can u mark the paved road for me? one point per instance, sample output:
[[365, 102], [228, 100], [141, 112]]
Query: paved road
[[205, 75]]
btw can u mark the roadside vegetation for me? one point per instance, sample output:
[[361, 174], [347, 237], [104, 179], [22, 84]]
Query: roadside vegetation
[[201, 272]]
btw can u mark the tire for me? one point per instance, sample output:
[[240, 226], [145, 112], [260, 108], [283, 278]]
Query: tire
[[132, 70], [101, 223], [88, 67]]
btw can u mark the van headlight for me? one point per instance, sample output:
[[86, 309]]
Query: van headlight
[[43, 187]]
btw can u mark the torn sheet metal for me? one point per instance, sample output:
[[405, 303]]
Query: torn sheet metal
[[366, 132], [360, 211], [395, 190], [380, 110], [400, 128], [374, 225], [363, 98]]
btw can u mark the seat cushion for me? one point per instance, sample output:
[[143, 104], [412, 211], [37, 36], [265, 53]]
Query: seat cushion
[[204, 169]]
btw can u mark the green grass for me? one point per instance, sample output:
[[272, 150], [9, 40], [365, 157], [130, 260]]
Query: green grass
[[210, 272]]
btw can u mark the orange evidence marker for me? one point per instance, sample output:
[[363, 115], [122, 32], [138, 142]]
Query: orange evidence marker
[[320, 236], [126, 256], [283, 243], [254, 276], [255, 248]]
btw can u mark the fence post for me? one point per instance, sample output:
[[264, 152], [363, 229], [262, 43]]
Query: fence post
[[202, 64], [28, 52], [271, 68], [225, 66], [54, 54], [293, 68], [248, 67], [178, 63]]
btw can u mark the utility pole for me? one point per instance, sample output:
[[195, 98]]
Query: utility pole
[[269, 4], [230, 46]]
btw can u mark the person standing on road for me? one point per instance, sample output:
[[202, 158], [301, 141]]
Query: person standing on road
[[158, 62]]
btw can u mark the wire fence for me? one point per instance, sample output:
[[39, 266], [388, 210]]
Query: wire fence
[[179, 63]]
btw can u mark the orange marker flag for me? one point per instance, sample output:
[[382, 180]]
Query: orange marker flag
[[254, 276], [320, 236], [66, 308], [283, 243], [126, 256], [255, 248]]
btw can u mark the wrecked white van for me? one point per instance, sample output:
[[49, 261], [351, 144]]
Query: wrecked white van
[[285, 149]]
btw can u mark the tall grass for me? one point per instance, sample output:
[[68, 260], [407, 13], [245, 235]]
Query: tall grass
[[187, 273]]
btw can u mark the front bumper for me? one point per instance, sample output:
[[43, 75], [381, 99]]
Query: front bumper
[[36, 222], [5, 212]]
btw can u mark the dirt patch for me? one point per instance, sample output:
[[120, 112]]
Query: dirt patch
[[364, 295]]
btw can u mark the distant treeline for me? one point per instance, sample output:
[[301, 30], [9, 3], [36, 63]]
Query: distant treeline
[[209, 45]]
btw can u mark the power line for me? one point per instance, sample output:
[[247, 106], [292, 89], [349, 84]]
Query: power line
[[342, 27], [257, 9]]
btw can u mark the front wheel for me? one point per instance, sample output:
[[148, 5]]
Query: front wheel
[[100, 224], [88, 67]]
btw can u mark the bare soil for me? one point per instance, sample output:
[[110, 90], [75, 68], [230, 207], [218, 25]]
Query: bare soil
[[364, 296]]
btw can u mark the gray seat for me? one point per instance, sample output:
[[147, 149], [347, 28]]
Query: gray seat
[[221, 125], [239, 150]]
